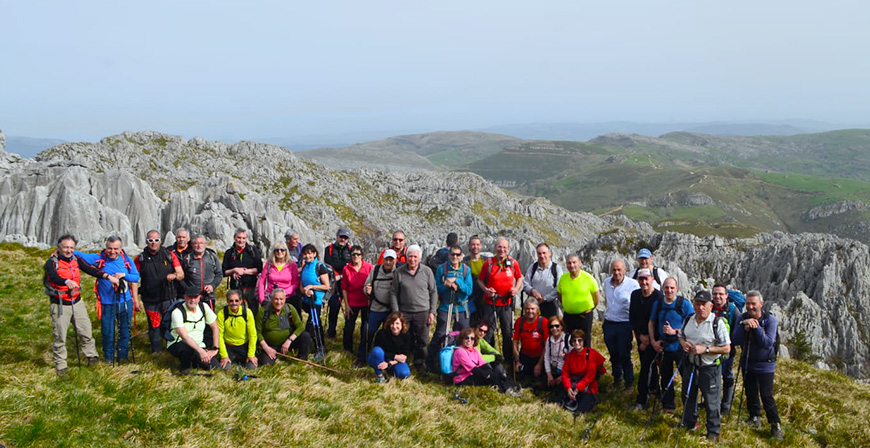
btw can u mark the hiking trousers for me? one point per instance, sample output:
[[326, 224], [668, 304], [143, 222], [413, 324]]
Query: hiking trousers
[[441, 331], [617, 337], [504, 317], [123, 312], [189, 358], [154, 311], [350, 326], [707, 380], [760, 384], [61, 319]]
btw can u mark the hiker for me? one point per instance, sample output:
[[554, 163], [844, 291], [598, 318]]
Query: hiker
[[391, 348], [63, 286], [442, 255], [314, 284], [355, 303], [501, 280], [616, 326], [583, 366], [554, 351], [489, 353], [639, 311], [530, 336], [729, 314], [475, 260], [705, 342], [645, 260], [397, 244], [541, 279], [666, 319], [337, 255], [280, 329], [115, 300], [579, 292], [279, 272], [453, 282], [415, 295], [294, 247], [238, 333], [379, 285], [159, 270], [471, 370], [242, 264], [179, 248], [757, 334], [188, 323], [202, 270]]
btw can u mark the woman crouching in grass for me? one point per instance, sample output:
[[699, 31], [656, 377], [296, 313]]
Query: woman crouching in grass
[[583, 366], [471, 370], [392, 345]]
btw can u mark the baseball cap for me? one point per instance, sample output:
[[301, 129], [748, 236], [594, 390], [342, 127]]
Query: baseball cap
[[389, 253], [703, 296], [192, 291], [644, 273], [644, 253], [343, 232]]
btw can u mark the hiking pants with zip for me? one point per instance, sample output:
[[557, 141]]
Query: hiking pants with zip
[[708, 379], [154, 311], [61, 319]]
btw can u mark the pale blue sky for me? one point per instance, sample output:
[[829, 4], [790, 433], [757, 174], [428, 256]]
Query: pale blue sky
[[248, 70]]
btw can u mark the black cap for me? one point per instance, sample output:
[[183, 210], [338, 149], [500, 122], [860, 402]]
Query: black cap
[[192, 291], [703, 296]]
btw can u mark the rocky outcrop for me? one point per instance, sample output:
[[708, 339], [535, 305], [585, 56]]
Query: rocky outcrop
[[837, 208], [816, 283]]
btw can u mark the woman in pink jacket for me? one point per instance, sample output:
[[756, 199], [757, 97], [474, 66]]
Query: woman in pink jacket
[[281, 272], [471, 370]]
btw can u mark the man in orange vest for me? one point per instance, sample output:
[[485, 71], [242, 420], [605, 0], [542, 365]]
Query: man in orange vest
[[63, 286]]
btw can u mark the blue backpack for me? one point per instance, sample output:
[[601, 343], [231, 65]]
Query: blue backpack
[[446, 359]]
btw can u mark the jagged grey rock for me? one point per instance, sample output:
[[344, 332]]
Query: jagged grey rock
[[817, 283]]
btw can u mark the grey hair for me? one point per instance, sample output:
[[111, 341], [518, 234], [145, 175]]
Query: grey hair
[[234, 292], [198, 235], [531, 301], [414, 248], [276, 290], [182, 229], [152, 231], [238, 231], [618, 259], [755, 293], [113, 238]]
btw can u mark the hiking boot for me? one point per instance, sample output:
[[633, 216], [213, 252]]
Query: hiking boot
[[514, 392], [380, 379], [776, 431], [358, 364], [93, 360], [636, 407], [713, 437], [753, 421], [184, 371], [61, 372], [123, 360]]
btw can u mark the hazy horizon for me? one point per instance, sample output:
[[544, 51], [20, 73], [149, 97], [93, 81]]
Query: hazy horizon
[[272, 70]]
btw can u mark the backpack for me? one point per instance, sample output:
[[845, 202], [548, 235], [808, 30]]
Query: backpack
[[244, 312], [737, 298], [764, 316], [329, 271], [540, 327], [678, 307], [716, 337], [439, 258], [267, 310], [445, 266], [552, 270], [166, 318], [446, 359], [375, 278]]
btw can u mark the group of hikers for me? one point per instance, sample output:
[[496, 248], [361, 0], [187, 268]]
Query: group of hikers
[[467, 295]]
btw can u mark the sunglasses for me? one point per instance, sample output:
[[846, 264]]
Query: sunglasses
[[470, 338], [234, 301], [356, 254], [456, 255], [398, 239], [482, 330], [555, 326], [343, 237], [279, 250], [153, 240]]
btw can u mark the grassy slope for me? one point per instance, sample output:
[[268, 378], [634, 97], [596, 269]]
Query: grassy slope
[[293, 405]]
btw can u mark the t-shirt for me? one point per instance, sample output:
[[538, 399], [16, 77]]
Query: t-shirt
[[194, 324], [531, 341], [577, 293], [702, 334]]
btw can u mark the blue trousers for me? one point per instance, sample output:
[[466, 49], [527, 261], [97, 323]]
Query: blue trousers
[[123, 312], [400, 370], [617, 338]]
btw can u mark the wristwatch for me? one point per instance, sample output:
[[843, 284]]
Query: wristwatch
[[707, 350]]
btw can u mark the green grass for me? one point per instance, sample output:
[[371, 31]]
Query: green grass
[[295, 405]]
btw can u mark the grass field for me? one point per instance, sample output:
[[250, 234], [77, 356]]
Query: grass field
[[143, 404]]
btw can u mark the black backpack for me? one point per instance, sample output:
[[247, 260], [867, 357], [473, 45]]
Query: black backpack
[[244, 315], [716, 337], [552, 270], [678, 307], [166, 318]]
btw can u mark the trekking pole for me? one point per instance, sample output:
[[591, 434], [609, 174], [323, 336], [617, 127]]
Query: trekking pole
[[685, 404], [318, 338], [742, 366], [587, 433], [653, 413], [310, 363], [117, 326], [74, 325]]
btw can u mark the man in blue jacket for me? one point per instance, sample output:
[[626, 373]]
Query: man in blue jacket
[[115, 301], [756, 333], [453, 282]]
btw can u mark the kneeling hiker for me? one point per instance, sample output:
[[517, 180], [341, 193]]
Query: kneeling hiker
[[471, 370], [188, 322], [580, 373], [279, 329], [392, 346], [238, 341], [530, 336]]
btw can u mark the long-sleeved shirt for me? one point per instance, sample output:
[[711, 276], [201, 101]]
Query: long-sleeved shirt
[[285, 277], [248, 257], [465, 359], [237, 329], [461, 295], [554, 353], [392, 344], [758, 344], [56, 278], [618, 298], [275, 328], [414, 293], [354, 281], [202, 270], [541, 278], [382, 287], [587, 365], [104, 287], [640, 310]]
